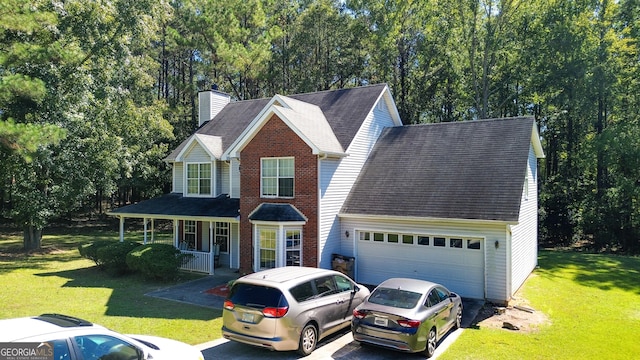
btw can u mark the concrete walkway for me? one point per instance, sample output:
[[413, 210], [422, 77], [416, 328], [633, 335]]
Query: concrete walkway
[[194, 292]]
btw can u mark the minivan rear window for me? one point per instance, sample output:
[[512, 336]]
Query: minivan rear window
[[256, 296]]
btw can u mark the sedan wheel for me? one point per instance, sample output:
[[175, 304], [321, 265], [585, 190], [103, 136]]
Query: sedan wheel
[[459, 318], [308, 340], [431, 343]]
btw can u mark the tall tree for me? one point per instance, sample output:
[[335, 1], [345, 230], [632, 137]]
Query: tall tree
[[91, 69]]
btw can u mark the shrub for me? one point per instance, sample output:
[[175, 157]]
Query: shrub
[[90, 250], [114, 256], [156, 261]]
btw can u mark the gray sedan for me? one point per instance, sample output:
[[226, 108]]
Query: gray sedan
[[408, 315]]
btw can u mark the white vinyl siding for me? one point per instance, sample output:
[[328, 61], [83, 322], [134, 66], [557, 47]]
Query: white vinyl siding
[[178, 177], [524, 236], [223, 185], [196, 154], [234, 178], [337, 178]]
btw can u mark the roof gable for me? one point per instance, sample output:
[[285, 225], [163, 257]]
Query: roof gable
[[306, 120], [461, 170], [212, 145], [344, 110]]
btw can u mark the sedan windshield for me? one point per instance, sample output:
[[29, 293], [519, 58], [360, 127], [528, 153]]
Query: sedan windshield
[[395, 297]]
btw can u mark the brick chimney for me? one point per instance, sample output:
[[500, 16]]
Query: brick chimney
[[210, 103]]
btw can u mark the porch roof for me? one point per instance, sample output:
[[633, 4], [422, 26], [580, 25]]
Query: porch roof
[[277, 213], [175, 205]]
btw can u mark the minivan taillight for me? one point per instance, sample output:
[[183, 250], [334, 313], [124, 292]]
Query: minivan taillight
[[228, 304], [409, 323], [359, 314], [275, 312]]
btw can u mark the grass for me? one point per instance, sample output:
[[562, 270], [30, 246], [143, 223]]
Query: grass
[[592, 300], [58, 280]]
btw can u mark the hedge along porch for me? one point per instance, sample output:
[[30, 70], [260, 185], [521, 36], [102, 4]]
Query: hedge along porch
[[205, 228]]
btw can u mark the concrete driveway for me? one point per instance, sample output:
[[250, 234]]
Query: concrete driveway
[[339, 346]]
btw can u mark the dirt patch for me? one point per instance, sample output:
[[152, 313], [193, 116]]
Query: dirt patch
[[517, 316]]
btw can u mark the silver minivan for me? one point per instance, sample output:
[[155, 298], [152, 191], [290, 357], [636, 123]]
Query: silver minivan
[[289, 308]]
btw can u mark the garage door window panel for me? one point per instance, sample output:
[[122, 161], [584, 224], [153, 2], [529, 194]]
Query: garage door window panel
[[439, 241], [423, 240], [473, 244], [407, 239], [455, 243]]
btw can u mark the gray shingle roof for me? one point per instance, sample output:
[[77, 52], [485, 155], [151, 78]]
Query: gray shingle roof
[[344, 109], [461, 170], [175, 204], [277, 212]]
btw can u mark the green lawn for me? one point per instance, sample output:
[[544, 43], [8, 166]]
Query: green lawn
[[59, 280], [593, 302]]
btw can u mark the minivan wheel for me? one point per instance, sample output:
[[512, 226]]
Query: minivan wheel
[[308, 340], [431, 343]]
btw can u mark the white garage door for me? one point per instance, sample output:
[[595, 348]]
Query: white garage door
[[456, 262]]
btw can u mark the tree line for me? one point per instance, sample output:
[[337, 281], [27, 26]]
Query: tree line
[[94, 94]]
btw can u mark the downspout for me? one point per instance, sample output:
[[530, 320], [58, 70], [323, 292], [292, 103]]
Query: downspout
[[509, 262], [319, 256]]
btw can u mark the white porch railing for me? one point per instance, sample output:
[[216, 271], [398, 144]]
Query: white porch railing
[[199, 262]]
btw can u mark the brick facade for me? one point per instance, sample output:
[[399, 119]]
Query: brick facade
[[276, 139]]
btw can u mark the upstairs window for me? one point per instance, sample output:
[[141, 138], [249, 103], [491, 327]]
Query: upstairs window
[[277, 177], [199, 179]]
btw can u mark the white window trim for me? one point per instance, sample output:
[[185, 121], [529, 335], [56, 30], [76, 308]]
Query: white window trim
[[262, 195], [211, 179], [281, 247]]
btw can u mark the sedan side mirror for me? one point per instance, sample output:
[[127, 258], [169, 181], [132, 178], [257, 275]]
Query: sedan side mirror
[[356, 288]]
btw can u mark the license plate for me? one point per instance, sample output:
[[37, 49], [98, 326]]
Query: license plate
[[247, 317], [381, 321]]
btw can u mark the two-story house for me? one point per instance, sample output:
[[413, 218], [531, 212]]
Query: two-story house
[[293, 180]]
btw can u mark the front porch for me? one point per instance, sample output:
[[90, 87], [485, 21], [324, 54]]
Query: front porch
[[205, 228]]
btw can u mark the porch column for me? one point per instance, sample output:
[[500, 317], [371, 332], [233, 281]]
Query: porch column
[[145, 231], [212, 251], [121, 229], [153, 231], [176, 232]]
